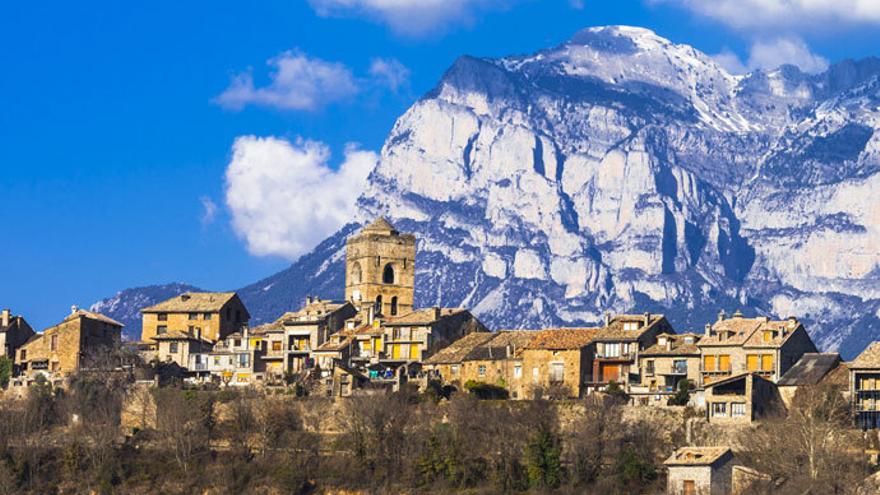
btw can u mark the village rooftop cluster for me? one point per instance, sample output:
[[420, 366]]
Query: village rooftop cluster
[[737, 370]]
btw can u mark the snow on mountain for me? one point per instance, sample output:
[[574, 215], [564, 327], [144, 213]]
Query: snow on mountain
[[620, 171]]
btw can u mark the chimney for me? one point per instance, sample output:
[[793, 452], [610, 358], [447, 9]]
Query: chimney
[[74, 308], [668, 344], [607, 318], [737, 314], [721, 315], [308, 300], [647, 318], [4, 318], [792, 321], [370, 314], [509, 351], [436, 312], [184, 297], [708, 329]]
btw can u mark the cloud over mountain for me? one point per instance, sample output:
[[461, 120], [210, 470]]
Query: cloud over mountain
[[284, 196]]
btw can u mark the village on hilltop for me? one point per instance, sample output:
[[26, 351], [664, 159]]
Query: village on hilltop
[[735, 372]]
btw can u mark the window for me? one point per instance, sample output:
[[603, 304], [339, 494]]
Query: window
[[378, 308], [680, 366], [54, 366], [206, 316], [624, 349], [236, 343], [216, 360], [162, 316], [719, 409], [709, 363], [191, 329], [173, 348], [631, 325], [388, 274], [737, 409], [53, 343], [767, 362], [612, 350], [161, 329], [394, 306], [276, 345], [768, 335], [517, 371], [193, 316], [752, 362], [649, 367], [414, 352], [481, 370], [244, 360], [557, 372], [23, 354], [689, 487], [724, 362], [455, 369]]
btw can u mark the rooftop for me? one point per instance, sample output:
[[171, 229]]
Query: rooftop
[[91, 315], [697, 456], [677, 345], [810, 369], [422, 316], [458, 350], [619, 328], [314, 310], [195, 302], [869, 358], [562, 338], [515, 340], [740, 331]]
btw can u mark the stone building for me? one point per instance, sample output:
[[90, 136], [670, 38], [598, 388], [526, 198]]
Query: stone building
[[14, 331], [664, 365], [177, 347], [445, 365], [864, 387], [232, 361], [619, 343], [416, 336], [700, 471], [209, 315], [79, 342], [741, 399], [735, 345], [559, 361], [498, 361], [307, 329], [813, 368], [380, 269]]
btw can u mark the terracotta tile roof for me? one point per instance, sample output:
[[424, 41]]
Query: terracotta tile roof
[[749, 332], [615, 329], [458, 350], [869, 358], [195, 302], [810, 369], [678, 346], [697, 456], [380, 225], [331, 346], [562, 338], [425, 316], [317, 310], [92, 315]]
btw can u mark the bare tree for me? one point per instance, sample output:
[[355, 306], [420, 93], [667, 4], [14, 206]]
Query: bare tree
[[183, 423]]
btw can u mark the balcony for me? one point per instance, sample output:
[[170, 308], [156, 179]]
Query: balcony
[[676, 371]]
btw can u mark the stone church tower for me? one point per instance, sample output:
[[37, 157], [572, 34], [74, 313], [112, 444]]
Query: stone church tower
[[380, 269]]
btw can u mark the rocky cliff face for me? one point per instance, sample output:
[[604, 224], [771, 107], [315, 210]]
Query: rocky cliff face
[[620, 171]]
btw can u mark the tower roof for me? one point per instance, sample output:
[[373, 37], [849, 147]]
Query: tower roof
[[380, 226]]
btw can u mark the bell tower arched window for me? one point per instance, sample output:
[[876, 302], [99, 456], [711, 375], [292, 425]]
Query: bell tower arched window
[[394, 306], [388, 274]]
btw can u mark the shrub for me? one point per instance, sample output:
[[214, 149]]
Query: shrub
[[5, 371], [543, 459], [682, 395], [485, 391]]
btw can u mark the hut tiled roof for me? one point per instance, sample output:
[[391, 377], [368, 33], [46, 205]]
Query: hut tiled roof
[[869, 358], [810, 369], [697, 456], [192, 302], [458, 350], [562, 338]]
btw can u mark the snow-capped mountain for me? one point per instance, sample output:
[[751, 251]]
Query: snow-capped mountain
[[620, 171]]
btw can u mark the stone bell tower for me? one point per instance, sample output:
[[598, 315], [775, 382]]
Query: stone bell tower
[[380, 269]]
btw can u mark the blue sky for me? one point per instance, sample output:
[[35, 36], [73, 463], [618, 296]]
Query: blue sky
[[119, 122]]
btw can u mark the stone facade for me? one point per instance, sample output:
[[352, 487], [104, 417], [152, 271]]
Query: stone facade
[[380, 269], [737, 344], [14, 331], [662, 366], [700, 471], [208, 315], [742, 399], [67, 347], [864, 387], [619, 343]]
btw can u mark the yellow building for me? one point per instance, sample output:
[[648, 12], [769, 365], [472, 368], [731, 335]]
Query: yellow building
[[380, 269], [76, 343], [205, 315]]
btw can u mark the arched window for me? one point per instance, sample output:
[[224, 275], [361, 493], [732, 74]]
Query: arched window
[[388, 274], [394, 306], [378, 305], [356, 273]]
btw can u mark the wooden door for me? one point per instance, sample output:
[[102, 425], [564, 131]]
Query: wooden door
[[690, 488], [611, 372]]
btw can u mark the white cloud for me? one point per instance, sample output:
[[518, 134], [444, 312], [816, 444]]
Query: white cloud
[[284, 197], [389, 72], [409, 17], [209, 211], [297, 82], [792, 14], [770, 54]]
